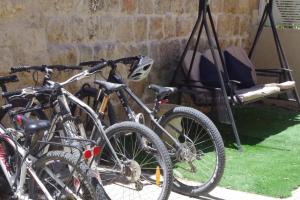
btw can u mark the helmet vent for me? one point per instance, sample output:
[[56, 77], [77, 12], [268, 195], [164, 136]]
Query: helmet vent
[[146, 67]]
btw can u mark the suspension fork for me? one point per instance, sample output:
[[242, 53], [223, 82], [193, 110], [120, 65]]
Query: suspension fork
[[96, 120]]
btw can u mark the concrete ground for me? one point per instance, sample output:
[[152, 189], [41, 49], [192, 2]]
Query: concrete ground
[[226, 194]]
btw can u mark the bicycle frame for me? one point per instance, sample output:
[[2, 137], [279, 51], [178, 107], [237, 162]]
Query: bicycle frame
[[93, 116], [130, 113], [25, 167], [68, 96]]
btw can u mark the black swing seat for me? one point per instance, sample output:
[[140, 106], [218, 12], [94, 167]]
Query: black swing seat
[[241, 68], [162, 92], [110, 87], [241, 72]]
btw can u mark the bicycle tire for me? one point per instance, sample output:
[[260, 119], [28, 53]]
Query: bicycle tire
[[90, 182], [132, 127], [207, 124]]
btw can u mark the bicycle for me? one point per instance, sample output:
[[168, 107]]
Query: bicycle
[[124, 170], [36, 177], [190, 136]]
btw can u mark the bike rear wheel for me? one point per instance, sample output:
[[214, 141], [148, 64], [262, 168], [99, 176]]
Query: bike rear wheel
[[202, 167]]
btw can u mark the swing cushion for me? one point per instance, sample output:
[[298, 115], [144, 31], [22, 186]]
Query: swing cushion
[[240, 67], [195, 68], [208, 70], [208, 73]]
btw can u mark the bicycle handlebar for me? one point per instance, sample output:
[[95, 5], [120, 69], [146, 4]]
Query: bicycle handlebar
[[43, 68], [9, 94], [125, 61], [98, 67]]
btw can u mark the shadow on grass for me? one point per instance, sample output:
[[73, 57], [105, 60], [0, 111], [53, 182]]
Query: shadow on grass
[[256, 123]]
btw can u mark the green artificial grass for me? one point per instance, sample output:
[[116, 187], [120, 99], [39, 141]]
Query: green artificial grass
[[270, 162]]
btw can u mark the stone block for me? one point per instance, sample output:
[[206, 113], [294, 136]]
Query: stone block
[[106, 28], [217, 6], [245, 25], [10, 8], [177, 6], [29, 46], [63, 54], [99, 51], [93, 28], [112, 5], [191, 6], [184, 26], [226, 25], [231, 6], [145, 6], [162, 6], [129, 6], [156, 28], [141, 28], [124, 32], [78, 29], [57, 30], [169, 26], [6, 59], [86, 53]]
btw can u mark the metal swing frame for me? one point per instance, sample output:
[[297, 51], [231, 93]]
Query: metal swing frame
[[205, 19]]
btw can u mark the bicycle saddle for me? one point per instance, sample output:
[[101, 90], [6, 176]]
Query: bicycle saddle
[[110, 87], [162, 92], [8, 79], [32, 126]]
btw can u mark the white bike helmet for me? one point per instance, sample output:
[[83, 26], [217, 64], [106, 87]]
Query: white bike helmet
[[140, 69]]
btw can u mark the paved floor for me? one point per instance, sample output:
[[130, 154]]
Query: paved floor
[[225, 194]]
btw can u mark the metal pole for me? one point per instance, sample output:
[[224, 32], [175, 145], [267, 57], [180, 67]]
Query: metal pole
[[187, 46], [223, 88]]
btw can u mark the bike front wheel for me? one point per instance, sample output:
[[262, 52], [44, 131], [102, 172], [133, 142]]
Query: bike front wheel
[[66, 177], [199, 167], [145, 171]]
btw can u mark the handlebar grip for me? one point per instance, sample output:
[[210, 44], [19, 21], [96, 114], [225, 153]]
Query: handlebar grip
[[9, 94], [97, 67], [19, 69]]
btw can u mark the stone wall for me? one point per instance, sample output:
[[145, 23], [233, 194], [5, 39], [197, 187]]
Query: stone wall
[[36, 32]]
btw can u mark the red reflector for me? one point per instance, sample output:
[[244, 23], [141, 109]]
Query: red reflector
[[164, 101], [97, 150], [87, 154], [19, 120]]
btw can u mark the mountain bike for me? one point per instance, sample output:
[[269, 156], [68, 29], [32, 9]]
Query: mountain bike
[[30, 176], [193, 141], [132, 159]]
